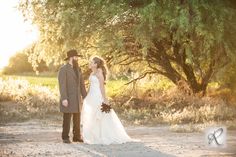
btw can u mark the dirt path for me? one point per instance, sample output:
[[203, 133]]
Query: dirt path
[[37, 138]]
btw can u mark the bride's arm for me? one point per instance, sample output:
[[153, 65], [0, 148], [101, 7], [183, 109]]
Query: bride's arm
[[102, 86]]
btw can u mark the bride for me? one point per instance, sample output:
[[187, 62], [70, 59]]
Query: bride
[[100, 127]]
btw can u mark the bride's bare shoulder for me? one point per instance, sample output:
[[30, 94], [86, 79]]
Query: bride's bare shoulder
[[99, 74], [99, 71]]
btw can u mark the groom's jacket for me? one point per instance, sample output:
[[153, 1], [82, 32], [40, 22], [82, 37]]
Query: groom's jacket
[[71, 88]]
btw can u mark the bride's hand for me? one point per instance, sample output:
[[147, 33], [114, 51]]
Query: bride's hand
[[106, 101]]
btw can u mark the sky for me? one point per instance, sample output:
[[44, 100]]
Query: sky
[[15, 34]]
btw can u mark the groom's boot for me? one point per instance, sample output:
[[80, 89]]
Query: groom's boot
[[67, 141], [78, 140], [66, 127]]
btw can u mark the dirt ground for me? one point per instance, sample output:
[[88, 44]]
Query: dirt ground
[[42, 138]]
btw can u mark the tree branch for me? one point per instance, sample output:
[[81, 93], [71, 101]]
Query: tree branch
[[141, 77]]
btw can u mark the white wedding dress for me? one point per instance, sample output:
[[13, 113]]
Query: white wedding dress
[[100, 127]]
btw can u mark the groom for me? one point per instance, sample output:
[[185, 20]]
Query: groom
[[71, 87]]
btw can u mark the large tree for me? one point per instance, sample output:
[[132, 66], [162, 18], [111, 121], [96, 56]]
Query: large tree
[[188, 40]]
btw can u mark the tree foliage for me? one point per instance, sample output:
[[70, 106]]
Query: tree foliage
[[190, 40], [19, 63]]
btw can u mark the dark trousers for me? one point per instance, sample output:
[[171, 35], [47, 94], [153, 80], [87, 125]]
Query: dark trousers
[[66, 125]]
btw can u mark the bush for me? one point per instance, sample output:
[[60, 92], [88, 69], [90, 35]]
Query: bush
[[38, 100], [174, 107], [169, 107], [20, 64]]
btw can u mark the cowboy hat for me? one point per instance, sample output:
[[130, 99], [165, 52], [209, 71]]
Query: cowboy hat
[[72, 53]]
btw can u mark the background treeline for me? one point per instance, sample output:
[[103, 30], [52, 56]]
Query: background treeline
[[20, 64]]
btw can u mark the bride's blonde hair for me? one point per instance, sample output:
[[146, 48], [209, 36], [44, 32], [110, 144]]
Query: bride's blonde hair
[[101, 64]]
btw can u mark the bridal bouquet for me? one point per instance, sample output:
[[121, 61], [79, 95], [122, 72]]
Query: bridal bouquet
[[105, 107]]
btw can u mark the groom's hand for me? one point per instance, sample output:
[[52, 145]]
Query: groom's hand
[[65, 103]]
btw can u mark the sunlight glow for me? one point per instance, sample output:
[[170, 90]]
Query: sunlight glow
[[15, 34]]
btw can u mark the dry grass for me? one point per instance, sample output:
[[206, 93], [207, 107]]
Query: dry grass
[[175, 107], [145, 107], [191, 127], [32, 100]]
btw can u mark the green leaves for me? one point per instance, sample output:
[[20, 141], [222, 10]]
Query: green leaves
[[192, 35]]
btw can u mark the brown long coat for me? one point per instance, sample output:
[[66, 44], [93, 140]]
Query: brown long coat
[[71, 89]]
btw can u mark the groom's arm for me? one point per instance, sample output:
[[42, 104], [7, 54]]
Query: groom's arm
[[82, 87], [62, 83]]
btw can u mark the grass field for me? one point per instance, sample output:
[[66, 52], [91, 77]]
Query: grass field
[[114, 86], [48, 81], [149, 101]]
